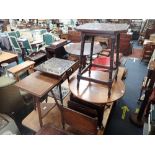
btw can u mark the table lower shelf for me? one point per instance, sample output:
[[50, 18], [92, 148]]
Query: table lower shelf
[[32, 120], [45, 108]]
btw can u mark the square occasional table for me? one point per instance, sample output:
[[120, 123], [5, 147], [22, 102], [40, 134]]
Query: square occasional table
[[39, 84], [44, 80]]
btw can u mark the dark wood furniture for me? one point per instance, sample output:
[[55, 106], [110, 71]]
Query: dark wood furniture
[[38, 57], [74, 36], [125, 44], [108, 30], [148, 48], [56, 49], [149, 32], [6, 57]]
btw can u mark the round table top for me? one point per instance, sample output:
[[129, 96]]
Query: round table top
[[96, 93], [75, 48]]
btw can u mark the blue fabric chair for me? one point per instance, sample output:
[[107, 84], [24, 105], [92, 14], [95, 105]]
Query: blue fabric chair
[[43, 31], [12, 33], [48, 38], [15, 45], [17, 34]]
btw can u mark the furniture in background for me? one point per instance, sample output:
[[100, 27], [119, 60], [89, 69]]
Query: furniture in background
[[148, 48], [111, 31], [13, 34], [74, 50], [56, 49], [6, 57], [74, 36], [125, 46], [48, 39], [15, 45], [25, 66], [135, 26], [4, 42], [38, 57], [149, 32], [17, 34]]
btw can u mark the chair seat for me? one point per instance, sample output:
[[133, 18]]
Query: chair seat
[[103, 60]]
